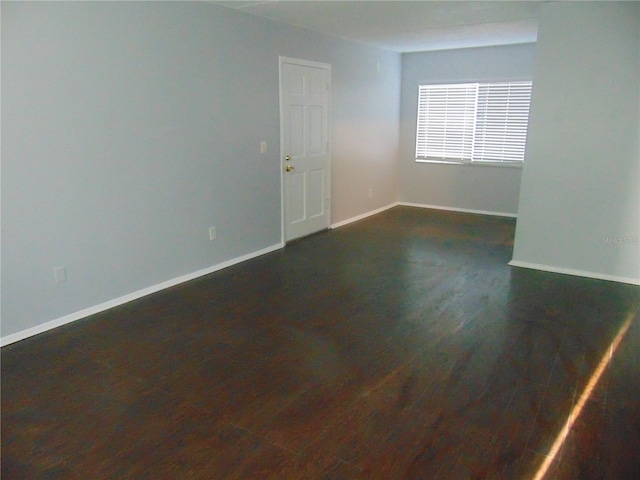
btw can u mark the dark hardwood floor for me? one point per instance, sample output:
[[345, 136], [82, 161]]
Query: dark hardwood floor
[[399, 347]]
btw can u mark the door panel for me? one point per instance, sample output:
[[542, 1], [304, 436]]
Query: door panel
[[296, 85], [316, 193], [296, 130], [304, 96], [316, 130], [296, 198], [316, 86]]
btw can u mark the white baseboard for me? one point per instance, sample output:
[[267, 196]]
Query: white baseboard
[[462, 210], [29, 332], [364, 215], [578, 273]]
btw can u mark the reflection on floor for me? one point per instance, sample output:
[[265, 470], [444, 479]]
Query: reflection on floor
[[398, 347]]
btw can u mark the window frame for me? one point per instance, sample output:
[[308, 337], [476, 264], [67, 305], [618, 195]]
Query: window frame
[[512, 83]]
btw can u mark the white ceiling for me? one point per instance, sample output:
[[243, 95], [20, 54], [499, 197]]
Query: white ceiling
[[406, 26]]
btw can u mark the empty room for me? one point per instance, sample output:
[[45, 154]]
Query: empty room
[[320, 240]]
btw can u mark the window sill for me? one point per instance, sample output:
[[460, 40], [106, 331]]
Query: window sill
[[472, 164]]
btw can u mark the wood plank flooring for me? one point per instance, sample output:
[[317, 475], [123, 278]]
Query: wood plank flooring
[[399, 347]]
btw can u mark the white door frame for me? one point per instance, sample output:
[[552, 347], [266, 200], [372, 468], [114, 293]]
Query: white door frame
[[304, 63]]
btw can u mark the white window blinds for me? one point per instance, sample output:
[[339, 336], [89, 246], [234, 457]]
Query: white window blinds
[[446, 121], [473, 122]]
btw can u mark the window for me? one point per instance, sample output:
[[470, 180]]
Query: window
[[473, 122]]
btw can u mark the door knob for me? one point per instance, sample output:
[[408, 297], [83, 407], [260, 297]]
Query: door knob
[[289, 168]]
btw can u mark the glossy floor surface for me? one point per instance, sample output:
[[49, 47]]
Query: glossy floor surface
[[399, 347]]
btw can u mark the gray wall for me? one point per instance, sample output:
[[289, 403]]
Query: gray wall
[[484, 188], [129, 128], [580, 196]]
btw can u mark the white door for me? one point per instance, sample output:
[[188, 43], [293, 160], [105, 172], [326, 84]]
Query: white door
[[304, 106]]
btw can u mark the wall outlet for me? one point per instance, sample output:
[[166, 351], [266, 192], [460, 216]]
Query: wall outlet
[[59, 274], [263, 147], [212, 233], [370, 192]]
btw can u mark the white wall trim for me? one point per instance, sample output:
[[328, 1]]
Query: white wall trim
[[364, 215], [463, 210], [571, 271], [29, 332]]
